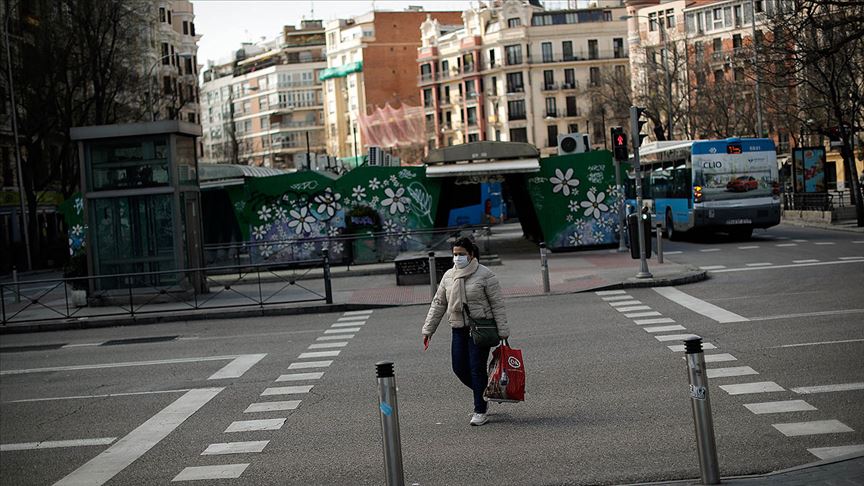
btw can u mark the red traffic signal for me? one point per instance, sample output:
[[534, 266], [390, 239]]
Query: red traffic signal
[[619, 144]]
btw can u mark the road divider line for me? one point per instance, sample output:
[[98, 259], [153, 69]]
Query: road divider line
[[839, 451], [841, 387], [310, 364], [816, 427], [709, 250], [235, 447], [659, 320], [286, 390], [255, 425], [117, 365], [106, 395], [786, 244], [664, 328], [812, 314], [806, 261], [127, 450], [238, 367], [672, 252], [712, 267], [643, 314], [82, 345], [760, 264], [851, 258], [57, 444], [783, 406], [679, 348], [732, 371], [750, 247], [824, 243], [699, 306], [223, 471], [301, 376], [756, 387], [272, 406]]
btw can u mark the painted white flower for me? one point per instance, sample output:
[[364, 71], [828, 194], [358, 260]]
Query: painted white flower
[[390, 226], [594, 205], [280, 214], [580, 225], [576, 239], [385, 183], [374, 200], [286, 197], [308, 246], [406, 174], [77, 230], [569, 218], [392, 239], [396, 200], [404, 236], [563, 182], [264, 213], [359, 193], [266, 251], [328, 202], [301, 221], [336, 247], [573, 206], [595, 177], [79, 205], [374, 184], [258, 232], [394, 180], [598, 235], [333, 231]]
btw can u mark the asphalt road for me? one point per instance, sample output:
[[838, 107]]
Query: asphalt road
[[607, 401]]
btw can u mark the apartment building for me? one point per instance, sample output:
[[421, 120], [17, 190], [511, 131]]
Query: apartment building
[[172, 63], [264, 107], [514, 71], [371, 63]]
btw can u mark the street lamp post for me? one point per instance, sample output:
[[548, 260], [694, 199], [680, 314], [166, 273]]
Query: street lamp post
[[184, 55]]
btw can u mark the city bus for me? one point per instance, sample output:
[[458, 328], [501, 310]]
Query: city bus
[[726, 185]]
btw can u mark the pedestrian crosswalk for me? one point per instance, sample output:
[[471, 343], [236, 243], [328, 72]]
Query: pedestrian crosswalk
[[298, 382]]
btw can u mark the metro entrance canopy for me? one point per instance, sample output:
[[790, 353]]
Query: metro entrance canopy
[[483, 158]]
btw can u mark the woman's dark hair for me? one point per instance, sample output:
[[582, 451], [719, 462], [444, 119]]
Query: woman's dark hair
[[469, 245]]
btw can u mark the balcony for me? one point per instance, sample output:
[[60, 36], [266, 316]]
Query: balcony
[[550, 87], [573, 113], [551, 113], [570, 86], [516, 116], [591, 55], [516, 89]]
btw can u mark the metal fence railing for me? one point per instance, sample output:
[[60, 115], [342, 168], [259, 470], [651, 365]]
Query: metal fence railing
[[170, 291], [824, 201]]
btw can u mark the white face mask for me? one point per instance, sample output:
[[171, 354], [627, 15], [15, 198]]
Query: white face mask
[[461, 261]]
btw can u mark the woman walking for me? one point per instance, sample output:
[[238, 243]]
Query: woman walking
[[473, 284]]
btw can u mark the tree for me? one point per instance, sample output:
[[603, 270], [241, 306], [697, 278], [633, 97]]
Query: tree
[[815, 51], [661, 87], [611, 96]]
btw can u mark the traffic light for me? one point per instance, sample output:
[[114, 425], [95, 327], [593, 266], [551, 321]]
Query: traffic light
[[619, 144], [636, 124]]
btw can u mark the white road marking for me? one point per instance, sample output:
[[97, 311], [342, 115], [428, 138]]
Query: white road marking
[[235, 447], [56, 444], [709, 250], [808, 390], [800, 241], [733, 371], [117, 365], [712, 267], [673, 337], [624, 303], [664, 328], [223, 471], [659, 320], [617, 297], [824, 243], [858, 242], [796, 429], [633, 308], [761, 264], [812, 314], [328, 345], [347, 324], [357, 313], [672, 252], [319, 354], [779, 407], [352, 318], [127, 450], [757, 387], [301, 376], [310, 364], [272, 406], [236, 368], [643, 314], [343, 329], [832, 452], [787, 244], [819, 344], [107, 395], [610, 292], [750, 247], [253, 425], [850, 258], [699, 306], [719, 357], [805, 261], [335, 338], [82, 345], [286, 390], [679, 348]]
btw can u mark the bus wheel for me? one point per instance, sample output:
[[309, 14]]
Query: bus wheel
[[742, 233]]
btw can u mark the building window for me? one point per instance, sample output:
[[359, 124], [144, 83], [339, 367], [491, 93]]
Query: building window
[[670, 18], [473, 137], [471, 115], [718, 76], [446, 94], [188, 64], [167, 85], [567, 50], [594, 74], [546, 49], [717, 44], [736, 41], [514, 83], [185, 27], [570, 101], [513, 54], [569, 79], [549, 79], [519, 135], [573, 128], [494, 86], [551, 108], [652, 22], [514, 22], [162, 17], [169, 17], [166, 56], [491, 58], [470, 90], [427, 98], [516, 110], [426, 72], [618, 48], [192, 29], [699, 48], [593, 52], [739, 74], [551, 135], [599, 131], [620, 72]]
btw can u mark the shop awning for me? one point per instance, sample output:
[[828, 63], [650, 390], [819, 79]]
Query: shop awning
[[340, 71], [517, 166]]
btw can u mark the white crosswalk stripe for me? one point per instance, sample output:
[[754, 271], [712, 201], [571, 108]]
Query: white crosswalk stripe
[[611, 292], [719, 357], [319, 354], [286, 390], [664, 328], [679, 348], [633, 308], [301, 376], [272, 406], [797, 429], [757, 387], [617, 297], [783, 406], [624, 303], [328, 345], [832, 452], [733, 371], [674, 337], [235, 447], [357, 313], [254, 425], [660, 320], [223, 471], [643, 314], [335, 338], [342, 330], [310, 364]]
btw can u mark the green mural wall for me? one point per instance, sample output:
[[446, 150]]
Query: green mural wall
[[72, 210], [576, 200]]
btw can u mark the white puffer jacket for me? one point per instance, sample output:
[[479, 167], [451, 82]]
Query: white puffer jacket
[[483, 296]]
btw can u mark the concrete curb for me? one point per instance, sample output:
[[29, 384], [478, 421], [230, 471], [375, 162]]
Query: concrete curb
[[830, 227], [692, 275]]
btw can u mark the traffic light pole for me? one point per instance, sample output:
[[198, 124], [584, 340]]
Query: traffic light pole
[[635, 128]]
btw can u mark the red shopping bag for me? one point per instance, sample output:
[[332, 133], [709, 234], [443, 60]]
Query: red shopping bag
[[506, 375]]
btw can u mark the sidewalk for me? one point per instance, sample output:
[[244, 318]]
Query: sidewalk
[[844, 470], [848, 225]]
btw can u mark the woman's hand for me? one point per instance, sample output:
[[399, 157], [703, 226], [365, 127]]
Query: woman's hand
[[426, 340]]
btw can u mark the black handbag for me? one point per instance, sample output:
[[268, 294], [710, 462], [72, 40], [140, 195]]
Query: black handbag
[[484, 332]]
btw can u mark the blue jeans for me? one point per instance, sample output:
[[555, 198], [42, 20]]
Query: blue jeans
[[469, 364]]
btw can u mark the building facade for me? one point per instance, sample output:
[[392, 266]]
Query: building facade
[[172, 62], [265, 107], [514, 71], [371, 63]]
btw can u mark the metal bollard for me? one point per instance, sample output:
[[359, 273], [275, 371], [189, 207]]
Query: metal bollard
[[486, 232], [700, 403], [433, 278], [328, 284], [15, 282], [389, 411], [659, 242], [544, 267]]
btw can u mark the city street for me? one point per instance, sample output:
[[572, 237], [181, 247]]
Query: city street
[[293, 399]]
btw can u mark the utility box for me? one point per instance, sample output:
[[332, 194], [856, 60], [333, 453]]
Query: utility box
[[633, 233], [413, 268]]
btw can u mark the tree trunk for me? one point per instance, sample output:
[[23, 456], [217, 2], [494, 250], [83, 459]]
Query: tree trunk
[[849, 162]]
